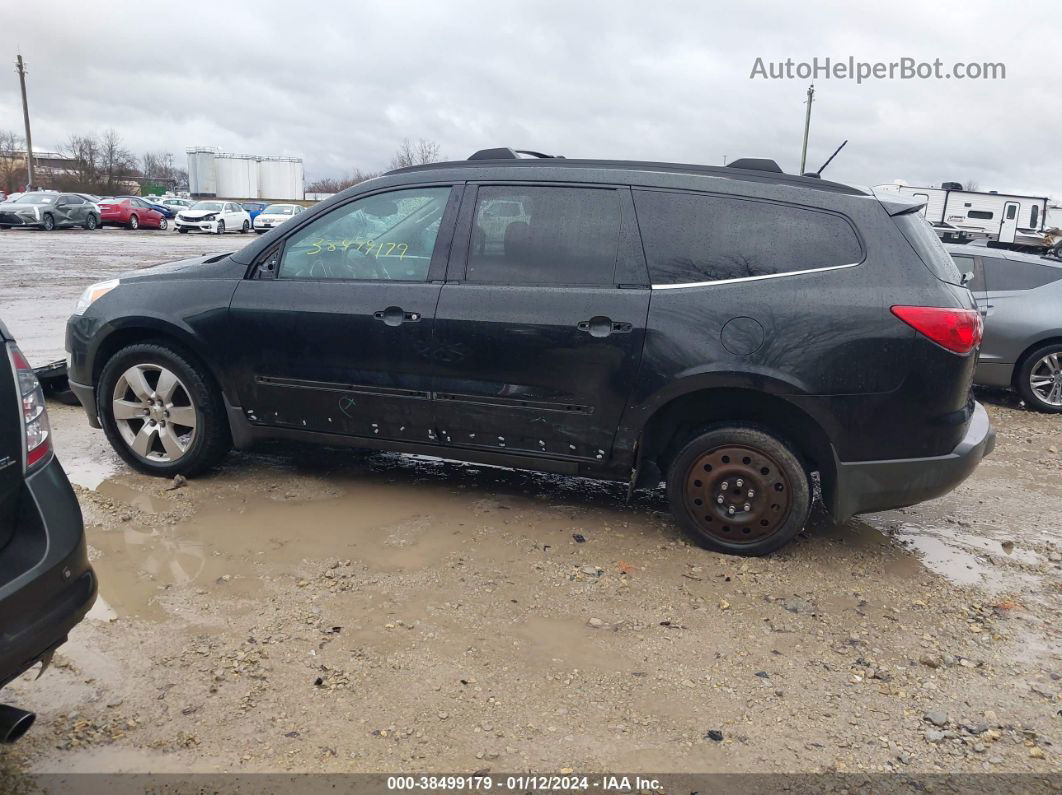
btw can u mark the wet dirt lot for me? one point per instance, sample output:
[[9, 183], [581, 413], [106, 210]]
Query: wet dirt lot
[[329, 610]]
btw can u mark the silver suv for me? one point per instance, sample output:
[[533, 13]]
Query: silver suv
[[1019, 296]]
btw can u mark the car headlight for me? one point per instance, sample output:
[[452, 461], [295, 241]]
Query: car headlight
[[94, 292]]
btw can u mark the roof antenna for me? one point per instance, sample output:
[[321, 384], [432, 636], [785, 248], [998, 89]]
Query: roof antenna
[[818, 174]]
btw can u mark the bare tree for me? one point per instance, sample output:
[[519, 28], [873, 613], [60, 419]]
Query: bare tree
[[336, 184], [160, 166], [12, 161], [83, 169], [117, 163], [415, 154]]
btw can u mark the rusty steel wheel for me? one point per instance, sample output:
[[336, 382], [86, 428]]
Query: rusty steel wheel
[[740, 490], [738, 494]]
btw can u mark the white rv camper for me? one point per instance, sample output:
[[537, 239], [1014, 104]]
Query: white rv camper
[[960, 216]]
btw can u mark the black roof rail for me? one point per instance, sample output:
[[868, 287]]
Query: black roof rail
[[505, 153], [757, 164]]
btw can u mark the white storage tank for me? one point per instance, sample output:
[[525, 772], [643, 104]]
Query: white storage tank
[[202, 173], [237, 176], [280, 178]]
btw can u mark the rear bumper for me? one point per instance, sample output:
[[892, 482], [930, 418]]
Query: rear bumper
[[40, 606], [865, 486]]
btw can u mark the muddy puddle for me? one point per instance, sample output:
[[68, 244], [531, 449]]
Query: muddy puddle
[[995, 565]]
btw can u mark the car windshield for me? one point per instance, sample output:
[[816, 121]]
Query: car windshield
[[207, 206], [36, 198], [278, 209]]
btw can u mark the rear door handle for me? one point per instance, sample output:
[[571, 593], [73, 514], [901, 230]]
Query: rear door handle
[[600, 326], [396, 316]]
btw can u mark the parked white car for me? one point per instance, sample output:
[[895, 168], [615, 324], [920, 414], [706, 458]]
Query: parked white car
[[274, 215], [216, 217], [176, 202]]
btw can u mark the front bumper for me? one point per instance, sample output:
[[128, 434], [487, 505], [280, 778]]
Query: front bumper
[[17, 219], [86, 396], [197, 226], [865, 486], [40, 606]]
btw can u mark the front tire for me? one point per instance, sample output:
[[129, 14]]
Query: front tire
[[1039, 379], [221, 227], [47, 223], [161, 411], [183, 230], [134, 222], [91, 222], [245, 228], [739, 490]]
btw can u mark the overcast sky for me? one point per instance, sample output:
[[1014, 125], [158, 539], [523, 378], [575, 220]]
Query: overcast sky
[[341, 83]]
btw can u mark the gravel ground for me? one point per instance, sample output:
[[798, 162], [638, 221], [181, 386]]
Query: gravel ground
[[325, 610]]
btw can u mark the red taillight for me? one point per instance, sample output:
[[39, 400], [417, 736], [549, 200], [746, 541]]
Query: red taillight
[[37, 436], [958, 330]]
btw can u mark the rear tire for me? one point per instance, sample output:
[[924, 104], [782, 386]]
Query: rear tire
[[134, 222], [739, 490], [204, 437], [1044, 367], [164, 224]]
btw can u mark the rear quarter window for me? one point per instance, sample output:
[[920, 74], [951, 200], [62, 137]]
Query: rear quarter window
[[694, 238], [928, 247], [1006, 274]]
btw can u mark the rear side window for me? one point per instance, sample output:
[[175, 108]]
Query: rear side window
[[692, 238], [544, 235], [1007, 274], [928, 247]]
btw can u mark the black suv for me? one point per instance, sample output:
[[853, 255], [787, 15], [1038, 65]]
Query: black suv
[[728, 330], [46, 583]]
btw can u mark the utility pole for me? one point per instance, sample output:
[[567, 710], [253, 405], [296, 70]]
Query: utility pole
[[807, 127], [21, 69]]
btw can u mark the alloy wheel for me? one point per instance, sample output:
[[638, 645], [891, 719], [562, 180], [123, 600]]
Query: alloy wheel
[[154, 413], [1045, 379], [738, 494]]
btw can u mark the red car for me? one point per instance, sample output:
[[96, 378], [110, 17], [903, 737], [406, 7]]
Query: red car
[[132, 213]]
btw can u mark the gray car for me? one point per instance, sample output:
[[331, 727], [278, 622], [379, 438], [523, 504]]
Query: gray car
[[1020, 298], [47, 210]]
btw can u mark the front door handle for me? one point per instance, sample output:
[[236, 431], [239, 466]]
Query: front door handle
[[396, 316], [600, 326]]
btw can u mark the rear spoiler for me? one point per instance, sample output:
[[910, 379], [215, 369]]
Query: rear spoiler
[[896, 204]]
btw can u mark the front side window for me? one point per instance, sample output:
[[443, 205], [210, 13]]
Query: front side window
[[693, 238], [386, 236], [544, 235]]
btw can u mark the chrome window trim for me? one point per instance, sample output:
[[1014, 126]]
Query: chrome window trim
[[752, 278]]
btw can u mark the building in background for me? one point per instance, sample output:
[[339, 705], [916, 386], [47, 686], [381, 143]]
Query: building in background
[[213, 173]]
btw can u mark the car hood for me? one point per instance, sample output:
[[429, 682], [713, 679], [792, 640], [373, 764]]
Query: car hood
[[208, 266], [193, 215], [271, 217], [11, 207]]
